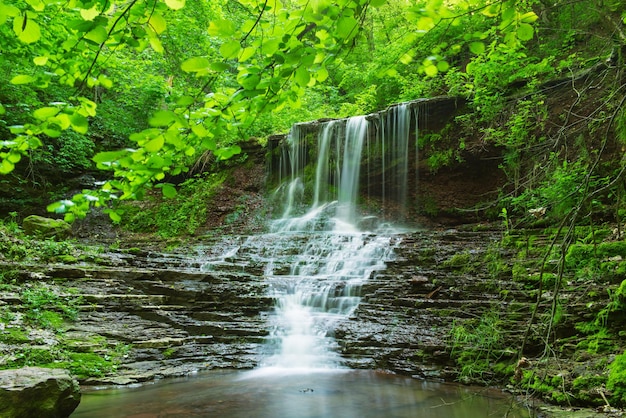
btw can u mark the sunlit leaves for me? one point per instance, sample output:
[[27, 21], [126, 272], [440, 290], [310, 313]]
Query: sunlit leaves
[[162, 118], [168, 190], [26, 29], [230, 49], [227, 152], [525, 32], [90, 14], [195, 65], [175, 4], [7, 11], [157, 23], [222, 27], [347, 26], [97, 34], [477, 47], [45, 112], [23, 79]]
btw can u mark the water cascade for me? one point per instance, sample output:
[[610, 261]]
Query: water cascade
[[331, 246]]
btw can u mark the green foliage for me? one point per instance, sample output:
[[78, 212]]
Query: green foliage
[[476, 345], [184, 213], [617, 378], [458, 261], [548, 387], [47, 309], [69, 152], [84, 365], [198, 77]]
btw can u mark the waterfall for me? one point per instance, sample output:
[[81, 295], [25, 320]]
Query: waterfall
[[323, 251], [391, 155]]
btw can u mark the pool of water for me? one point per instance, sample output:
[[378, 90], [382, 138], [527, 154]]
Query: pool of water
[[282, 393]]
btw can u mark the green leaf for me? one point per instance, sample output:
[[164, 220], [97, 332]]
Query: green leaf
[[195, 64], [156, 44], [222, 27], [525, 32], [89, 14], [7, 11], [79, 123], [346, 27], [37, 5], [529, 17], [175, 4], [2, 110], [45, 112], [108, 156], [157, 23], [270, 46], [443, 66], [162, 118], [230, 49], [477, 48], [23, 79], [40, 60], [6, 167], [246, 54], [98, 34], [26, 29], [56, 207], [219, 66], [155, 144], [377, 3], [14, 157], [406, 58], [425, 23], [88, 107], [321, 74], [227, 152], [249, 81], [302, 76], [115, 216], [169, 191], [430, 70]]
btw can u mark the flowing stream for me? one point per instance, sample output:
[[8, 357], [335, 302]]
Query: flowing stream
[[317, 255]]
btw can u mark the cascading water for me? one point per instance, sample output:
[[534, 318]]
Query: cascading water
[[330, 250]]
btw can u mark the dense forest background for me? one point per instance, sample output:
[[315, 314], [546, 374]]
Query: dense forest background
[[138, 93]]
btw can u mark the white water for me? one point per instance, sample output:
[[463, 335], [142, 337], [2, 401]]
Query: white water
[[332, 251]]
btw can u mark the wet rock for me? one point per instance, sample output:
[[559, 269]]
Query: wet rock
[[37, 392]]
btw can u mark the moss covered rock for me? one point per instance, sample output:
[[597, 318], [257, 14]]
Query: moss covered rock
[[37, 392], [43, 227]]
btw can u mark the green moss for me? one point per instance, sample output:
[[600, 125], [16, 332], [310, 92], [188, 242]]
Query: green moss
[[616, 382], [183, 214], [599, 342], [90, 365], [549, 387], [459, 260], [169, 352], [13, 336]]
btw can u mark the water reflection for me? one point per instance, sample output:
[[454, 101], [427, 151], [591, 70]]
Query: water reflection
[[345, 394]]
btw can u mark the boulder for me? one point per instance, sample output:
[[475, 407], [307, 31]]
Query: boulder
[[37, 392], [46, 227]]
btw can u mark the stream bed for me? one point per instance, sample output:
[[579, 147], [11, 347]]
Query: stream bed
[[277, 393]]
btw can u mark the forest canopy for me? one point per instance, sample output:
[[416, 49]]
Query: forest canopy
[[143, 88]]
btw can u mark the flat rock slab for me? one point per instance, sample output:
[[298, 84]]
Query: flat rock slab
[[38, 392]]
